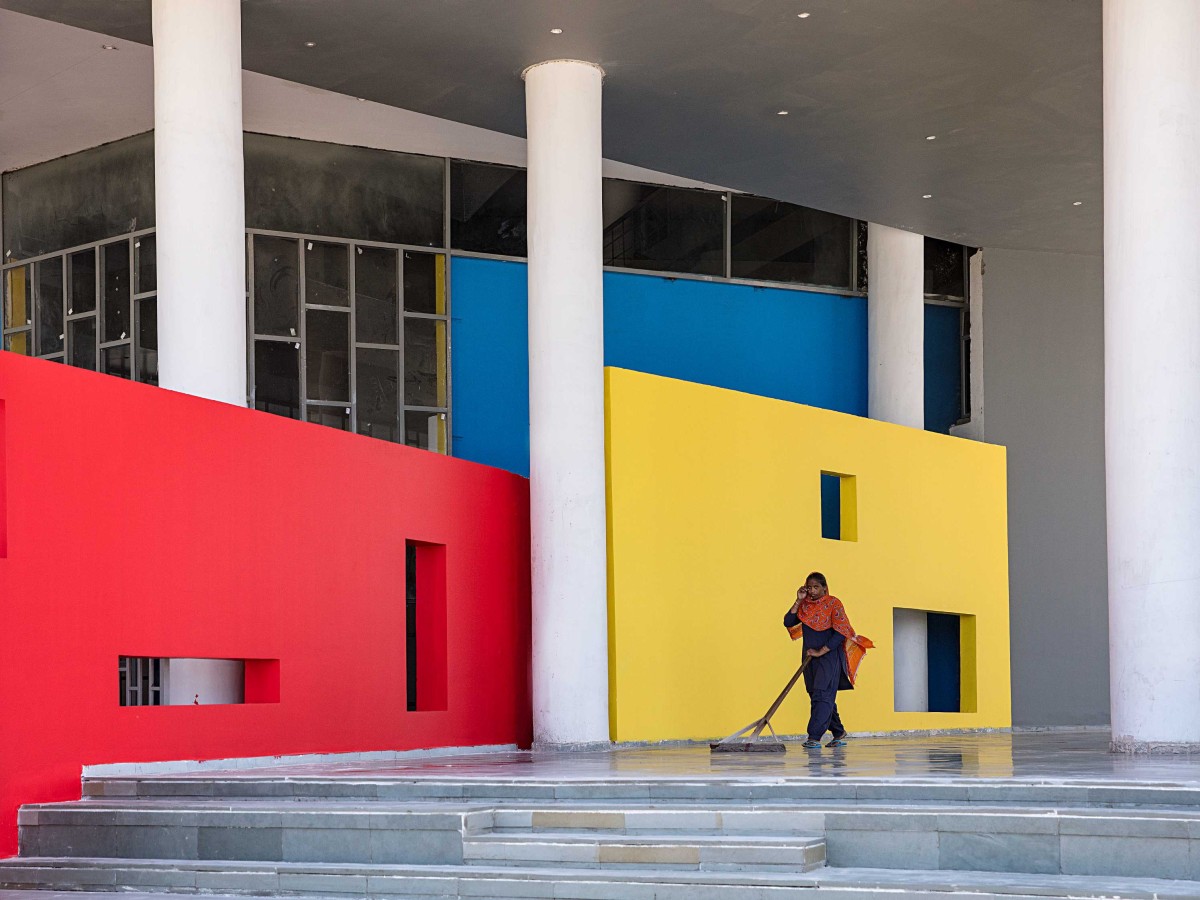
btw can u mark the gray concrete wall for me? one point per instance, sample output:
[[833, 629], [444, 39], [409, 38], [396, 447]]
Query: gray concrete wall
[[1044, 376]]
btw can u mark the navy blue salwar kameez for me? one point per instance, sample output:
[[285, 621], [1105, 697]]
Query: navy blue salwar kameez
[[823, 678]]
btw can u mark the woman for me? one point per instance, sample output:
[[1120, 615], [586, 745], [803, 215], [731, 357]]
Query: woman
[[834, 651]]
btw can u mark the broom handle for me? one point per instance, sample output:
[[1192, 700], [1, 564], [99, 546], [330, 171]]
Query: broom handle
[[765, 720]]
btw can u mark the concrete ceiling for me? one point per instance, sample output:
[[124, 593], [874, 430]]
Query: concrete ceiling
[[1011, 89]]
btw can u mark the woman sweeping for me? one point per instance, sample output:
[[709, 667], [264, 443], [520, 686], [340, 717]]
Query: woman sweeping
[[834, 651]]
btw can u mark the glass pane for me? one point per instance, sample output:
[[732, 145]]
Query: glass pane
[[378, 377], [327, 361], [276, 286], [19, 342], [424, 362], [83, 282], [663, 229], [333, 416], [117, 316], [81, 345], [375, 295], [425, 430], [277, 378], [18, 299], [945, 268], [777, 241], [343, 192], [425, 283], [89, 196], [115, 361], [145, 249], [487, 208], [147, 341], [49, 306], [326, 274]]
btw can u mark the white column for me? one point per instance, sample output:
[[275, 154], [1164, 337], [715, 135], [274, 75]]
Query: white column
[[1152, 368], [566, 404], [199, 198], [910, 644], [896, 326]]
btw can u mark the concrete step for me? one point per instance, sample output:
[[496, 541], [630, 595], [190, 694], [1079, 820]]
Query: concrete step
[[625, 819], [670, 851], [167, 878], [951, 791]]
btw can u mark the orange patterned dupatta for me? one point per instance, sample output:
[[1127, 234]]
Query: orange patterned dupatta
[[826, 613]]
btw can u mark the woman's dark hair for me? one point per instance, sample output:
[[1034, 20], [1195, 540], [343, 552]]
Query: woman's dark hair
[[818, 578]]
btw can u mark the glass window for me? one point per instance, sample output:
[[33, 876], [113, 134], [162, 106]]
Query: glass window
[[81, 343], [147, 353], [331, 416], [425, 283], [88, 196], [945, 268], [50, 330], [145, 249], [338, 191], [326, 274], [776, 241], [487, 208], [377, 390], [426, 430], [860, 259], [663, 229], [424, 362], [18, 305], [83, 282], [115, 361], [276, 286], [277, 378], [117, 321], [327, 361], [375, 272], [18, 342]]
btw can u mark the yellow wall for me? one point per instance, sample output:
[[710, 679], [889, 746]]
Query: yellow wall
[[715, 520]]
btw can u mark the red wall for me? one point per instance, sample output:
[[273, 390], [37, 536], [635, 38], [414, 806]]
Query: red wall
[[135, 521]]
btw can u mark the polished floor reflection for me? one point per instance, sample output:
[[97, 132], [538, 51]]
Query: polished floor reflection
[[1039, 757]]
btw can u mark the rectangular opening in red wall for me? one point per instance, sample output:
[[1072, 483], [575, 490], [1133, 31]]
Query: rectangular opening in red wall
[[192, 681], [425, 625], [3, 488]]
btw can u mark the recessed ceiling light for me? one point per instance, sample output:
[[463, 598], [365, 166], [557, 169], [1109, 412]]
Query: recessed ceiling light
[[803, 15], [782, 112], [1077, 203], [310, 43], [556, 31], [107, 47], [927, 196], [931, 137]]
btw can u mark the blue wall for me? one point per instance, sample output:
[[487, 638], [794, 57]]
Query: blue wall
[[792, 345], [945, 662], [943, 359]]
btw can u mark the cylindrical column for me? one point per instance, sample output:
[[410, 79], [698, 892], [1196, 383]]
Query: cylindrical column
[[1152, 369], [199, 198], [566, 404], [896, 326]]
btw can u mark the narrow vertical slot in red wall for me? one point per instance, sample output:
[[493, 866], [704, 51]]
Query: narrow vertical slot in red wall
[[3, 487], [428, 691]]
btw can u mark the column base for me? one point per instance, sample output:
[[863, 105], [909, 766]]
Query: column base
[[570, 747], [1155, 748]]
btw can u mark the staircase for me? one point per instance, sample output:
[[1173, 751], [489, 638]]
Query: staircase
[[669, 839]]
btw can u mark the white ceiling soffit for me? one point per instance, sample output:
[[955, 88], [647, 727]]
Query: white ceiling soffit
[[1010, 89]]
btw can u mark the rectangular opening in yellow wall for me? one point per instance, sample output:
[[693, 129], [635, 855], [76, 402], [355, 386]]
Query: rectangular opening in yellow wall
[[839, 507]]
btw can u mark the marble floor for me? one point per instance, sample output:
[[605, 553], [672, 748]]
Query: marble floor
[[1044, 757]]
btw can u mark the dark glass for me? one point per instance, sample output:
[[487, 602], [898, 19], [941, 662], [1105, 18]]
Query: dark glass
[[49, 275], [776, 241], [83, 282], [860, 282], [487, 208], [18, 300], [147, 340], [333, 416], [377, 388], [425, 283], [18, 342], [424, 362], [276, 286], [82, 343], [145, 249], [77, 199], [426, 430], [327, 353], [945, 268], [326, 274], [375, 292], [663, 229], [341, 191], [116, 291], [277, 378], [115, 361]]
